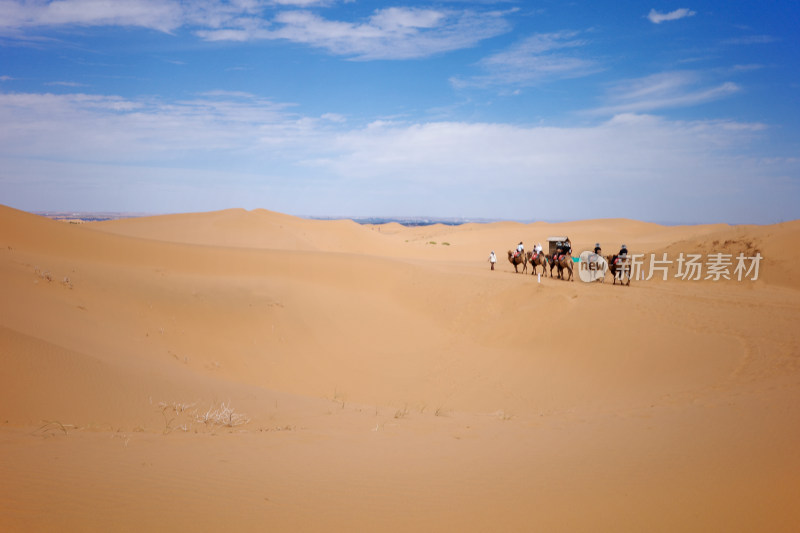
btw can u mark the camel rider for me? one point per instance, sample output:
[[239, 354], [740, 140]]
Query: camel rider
[[520, 249], [566, 247], [538, 249], [623, 253]]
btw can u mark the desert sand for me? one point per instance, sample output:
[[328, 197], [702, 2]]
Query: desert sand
[[253, 371]]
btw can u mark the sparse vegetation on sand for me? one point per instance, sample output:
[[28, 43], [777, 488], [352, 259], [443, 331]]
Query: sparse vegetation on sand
[[185, 416], [224, 415], [52, 427]]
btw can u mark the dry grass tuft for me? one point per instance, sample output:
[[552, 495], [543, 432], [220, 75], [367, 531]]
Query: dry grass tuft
[[185, 416], [224, 415], [52, 427]]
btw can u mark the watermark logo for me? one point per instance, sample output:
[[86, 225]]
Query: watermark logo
[[592, 267], [686, 267]]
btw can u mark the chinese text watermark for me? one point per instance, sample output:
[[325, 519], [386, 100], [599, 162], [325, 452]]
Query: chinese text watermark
[[688, 267]]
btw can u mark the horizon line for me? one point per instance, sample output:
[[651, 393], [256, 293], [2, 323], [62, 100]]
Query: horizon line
[[406, 220]]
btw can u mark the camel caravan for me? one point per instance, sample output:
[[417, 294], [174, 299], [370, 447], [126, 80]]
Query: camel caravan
[[592, 265]]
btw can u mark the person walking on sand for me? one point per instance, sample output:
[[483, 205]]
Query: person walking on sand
[[492, 259]]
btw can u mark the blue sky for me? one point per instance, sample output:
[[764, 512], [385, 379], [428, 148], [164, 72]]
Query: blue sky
[[667, 112]]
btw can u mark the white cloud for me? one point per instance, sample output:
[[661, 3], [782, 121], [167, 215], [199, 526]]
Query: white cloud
[[537, 58], [116, 129], [218, 14], [391, 33], [302, 3], [444, 168], [67, 126], [66, 83], [657, 18], [18, 14], [697, 170], [663, 91], [334, 117], [629, 147], [751, 39], [399, 19], [746, 68]]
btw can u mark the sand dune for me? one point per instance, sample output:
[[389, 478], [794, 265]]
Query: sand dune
[[382, 378]]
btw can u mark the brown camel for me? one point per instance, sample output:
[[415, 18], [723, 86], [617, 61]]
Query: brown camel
[[565, 263], [552, 262], [540, 259], [619, 270], [516, 259]]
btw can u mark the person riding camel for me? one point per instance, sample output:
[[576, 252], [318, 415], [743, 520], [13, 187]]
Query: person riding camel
[[537, 250], [623, 253], [520, 249], [566, 248]]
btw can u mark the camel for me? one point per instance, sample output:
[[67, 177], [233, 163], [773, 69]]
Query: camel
[[552, 263], [540, 259], [562, 264], [517, 259], [624, 269]]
